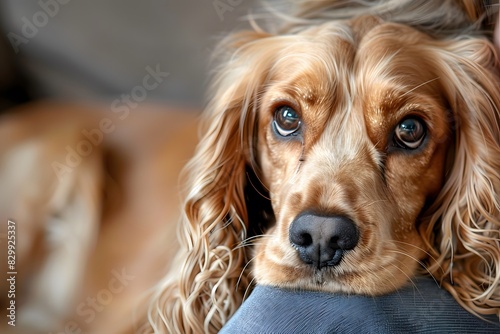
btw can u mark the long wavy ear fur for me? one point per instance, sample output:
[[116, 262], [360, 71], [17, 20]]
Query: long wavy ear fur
[[463, 231], [207, 281]]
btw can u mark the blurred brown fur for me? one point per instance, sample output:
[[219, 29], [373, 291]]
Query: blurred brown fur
[[114, 212]]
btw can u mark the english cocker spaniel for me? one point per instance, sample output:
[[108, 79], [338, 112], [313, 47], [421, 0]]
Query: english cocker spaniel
[[349, 151]]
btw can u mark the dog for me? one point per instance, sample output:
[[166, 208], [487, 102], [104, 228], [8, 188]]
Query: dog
[[354, 147]]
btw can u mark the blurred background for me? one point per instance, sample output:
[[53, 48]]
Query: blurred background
[[99, 49]]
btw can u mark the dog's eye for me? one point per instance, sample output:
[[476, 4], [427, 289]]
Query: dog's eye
[[286, 121], [410, 133]]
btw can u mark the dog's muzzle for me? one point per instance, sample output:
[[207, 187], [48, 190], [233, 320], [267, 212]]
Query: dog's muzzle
[[322, 240]]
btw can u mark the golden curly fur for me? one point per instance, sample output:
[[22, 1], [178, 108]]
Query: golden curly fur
[[351, 72]]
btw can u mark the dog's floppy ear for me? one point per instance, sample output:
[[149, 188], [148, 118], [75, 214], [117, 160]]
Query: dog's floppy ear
[[206, 283], [464, 229]]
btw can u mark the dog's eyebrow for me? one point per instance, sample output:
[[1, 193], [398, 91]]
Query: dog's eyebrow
[[308, 95]]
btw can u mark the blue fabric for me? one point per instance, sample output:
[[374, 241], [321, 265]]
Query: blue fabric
[[421, 307]]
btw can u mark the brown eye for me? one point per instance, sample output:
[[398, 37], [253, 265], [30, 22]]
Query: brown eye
[[410, 133], [286, 121]]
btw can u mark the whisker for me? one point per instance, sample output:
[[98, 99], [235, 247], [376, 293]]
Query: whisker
[[250, 241], [409, 279], [396, 289], [421, 249], [412, 245], [386, 269], [255, 188], [243, 270], [418, 86], [375, 202], [418, 261], [249, 286]]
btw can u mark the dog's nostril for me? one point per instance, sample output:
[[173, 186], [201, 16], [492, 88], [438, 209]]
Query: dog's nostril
[[334, 241], [322, 240], [303, 239]]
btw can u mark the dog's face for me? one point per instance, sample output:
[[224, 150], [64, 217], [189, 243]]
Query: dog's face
[[353, 134]]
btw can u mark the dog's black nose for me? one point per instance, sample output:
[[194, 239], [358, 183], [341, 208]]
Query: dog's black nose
[[320, 240]]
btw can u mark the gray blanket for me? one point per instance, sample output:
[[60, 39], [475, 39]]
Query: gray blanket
[[421, 307]]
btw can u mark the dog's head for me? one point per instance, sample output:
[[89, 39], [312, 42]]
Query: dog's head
[[352, 139], [374, 147]]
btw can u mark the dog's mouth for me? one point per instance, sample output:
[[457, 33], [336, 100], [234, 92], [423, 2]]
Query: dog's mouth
[[313, 262], [322, 279], [319, 277]]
